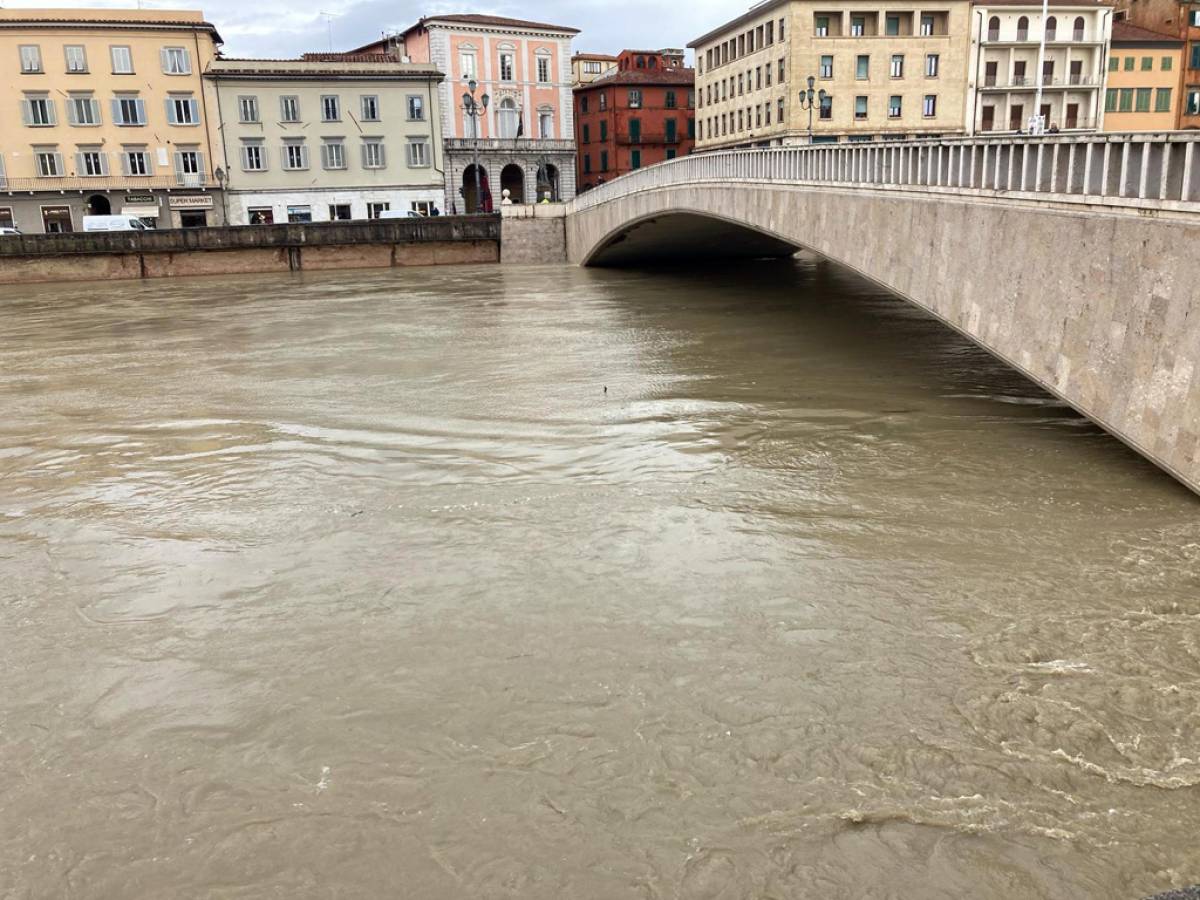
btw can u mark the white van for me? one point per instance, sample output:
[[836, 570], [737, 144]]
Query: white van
[[400, 214], [114, 223]]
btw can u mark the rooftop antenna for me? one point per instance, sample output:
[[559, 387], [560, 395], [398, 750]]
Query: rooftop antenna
[[329, 17]]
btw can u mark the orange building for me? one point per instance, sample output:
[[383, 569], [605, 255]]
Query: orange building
[[1145, 72]]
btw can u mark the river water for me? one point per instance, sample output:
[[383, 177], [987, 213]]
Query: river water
[[362, 585]]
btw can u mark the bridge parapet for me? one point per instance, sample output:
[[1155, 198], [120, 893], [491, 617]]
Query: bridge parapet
[[1153, 171]]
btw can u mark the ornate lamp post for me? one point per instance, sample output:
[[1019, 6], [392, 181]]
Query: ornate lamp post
[[475, 110], [807, 101]]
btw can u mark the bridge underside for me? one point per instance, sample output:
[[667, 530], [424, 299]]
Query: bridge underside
[[678, 236], [1097, 306]]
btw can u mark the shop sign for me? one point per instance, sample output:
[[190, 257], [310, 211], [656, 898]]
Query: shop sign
[[191, 201]]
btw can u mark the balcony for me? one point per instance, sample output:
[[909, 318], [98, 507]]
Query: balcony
[[131, 183], [1028, 83], [528, 145]]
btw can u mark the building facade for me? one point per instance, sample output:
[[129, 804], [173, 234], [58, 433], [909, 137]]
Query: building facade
[[1004, 81], [639, 113], [104, 112], [524, 140], [587, 67], [1181, 19], [889, 70], [1145, 71], [328, 137]]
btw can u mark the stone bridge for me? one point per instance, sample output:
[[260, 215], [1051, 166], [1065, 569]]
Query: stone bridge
[[1075, 259]]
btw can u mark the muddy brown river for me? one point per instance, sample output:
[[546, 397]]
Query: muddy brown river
[[362, 586]]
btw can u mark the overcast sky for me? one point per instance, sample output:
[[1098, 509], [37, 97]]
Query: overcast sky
[[277, 28]]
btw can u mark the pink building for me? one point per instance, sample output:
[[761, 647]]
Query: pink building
[[525, 139]]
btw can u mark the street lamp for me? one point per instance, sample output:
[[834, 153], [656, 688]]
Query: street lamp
[[807, 102], [475, 110]]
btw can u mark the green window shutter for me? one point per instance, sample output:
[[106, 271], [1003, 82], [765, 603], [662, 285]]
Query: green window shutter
[[1162, 100], [1143, 99], [1126, 100], [1110, 100]]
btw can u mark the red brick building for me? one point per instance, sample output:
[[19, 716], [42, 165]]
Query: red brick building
[[640, 113]]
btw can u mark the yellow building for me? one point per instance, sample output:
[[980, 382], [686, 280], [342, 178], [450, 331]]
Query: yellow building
[[887, 69], [587, 67], [1145, 87], [105, 111]]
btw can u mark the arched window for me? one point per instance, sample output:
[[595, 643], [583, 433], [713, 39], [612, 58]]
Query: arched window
[[1051, 28], [994, 28], [653, 62], [641, 62], [507, 118], [1079, 25], [1023, 28]]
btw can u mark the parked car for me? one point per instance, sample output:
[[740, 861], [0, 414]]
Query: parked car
[[114, 223], [6, 229]]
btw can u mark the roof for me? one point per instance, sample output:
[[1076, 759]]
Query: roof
[[619, 77], [382, 58], [754, 13], [123, 19], [495, 21], [602, 57], [1124, 33], [1036, 4], [306, 69]]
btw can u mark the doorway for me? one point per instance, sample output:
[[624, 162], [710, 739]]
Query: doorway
[[512, 179], [1016, 117], [98, 205], [193, 219], [1072, 120], [989, 119], [57, 220], [471, 202]]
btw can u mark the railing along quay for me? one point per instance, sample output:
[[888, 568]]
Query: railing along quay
[[1158, 171]]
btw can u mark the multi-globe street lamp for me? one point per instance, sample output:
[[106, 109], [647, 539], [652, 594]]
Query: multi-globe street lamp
[[810, 98], [475, 110]]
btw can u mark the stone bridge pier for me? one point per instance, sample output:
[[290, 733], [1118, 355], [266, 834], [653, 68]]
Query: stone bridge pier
[[1076, 261]]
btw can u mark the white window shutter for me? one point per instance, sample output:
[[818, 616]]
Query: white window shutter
[[95, 107], [27, 112], [80, 165], [324, 156], [195, 105], [179, 167], [304, 156], [200, 170], [58, 163], [72, 115], [125, 170], [382, 156], [141, 111], [166, 59], [115, 106], [104, 163], [187, 62], [170, 106], [365, 159]]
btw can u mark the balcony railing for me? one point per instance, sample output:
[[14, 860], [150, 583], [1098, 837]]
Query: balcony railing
[[525, 144], [131, 183], [1027, 81]]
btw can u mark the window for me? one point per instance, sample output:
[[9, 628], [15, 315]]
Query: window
[[373, 155], [289, 109], [994, 28], [82, 109], [295, 155], [1114, 62], [691, 100], [603, 160], [931, 65], [1129, 63], [926, 26], [369, 106], [1162, 100], [603, 131], [1078, 28], [376, 209], [49, 162], [299, 215], [1142, 103], [635, 130], [38, 110], [1192, 107], [122, 60], [1147, 63], [781, 70], [506, 67], [1051, 28], [545, 124], [1023, 28], [898, 65], [583, 104], [418, 153], [671, 153], [822, 26], [333, 154], [424, 207], [860, 107], [31, 59], [248, 109], [182, 109], [1125, 100], [340, 212], [1194, 18], [826, 70], [1110, 100], [779, 106], [135, 161], [635, 98], [508, 119], [76, 58], [331, 108], [128, 110], [826, 107], [254, 157], [892, 25], [1166, 64], [672, 130], [691, 126], [929, 107], [466, 65], [603, 101], [635, 159], [669, 100], [741, 85], [543, 69], [857, 26], [176, 61], [91, 162], [587, 134], [1194, 60], [587, 164], [895, 106], [862, 68], [189, 167], [416, 108]]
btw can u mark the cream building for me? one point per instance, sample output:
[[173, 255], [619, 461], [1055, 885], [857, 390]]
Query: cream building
[[587, 67], [1003, 82], [888, 69], [104, 111], [328, 137]]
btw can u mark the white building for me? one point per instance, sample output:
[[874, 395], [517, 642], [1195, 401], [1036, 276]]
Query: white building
[[328, 137], [1003, 65]]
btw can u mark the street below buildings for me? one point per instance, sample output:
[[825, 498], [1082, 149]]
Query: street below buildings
[[555, 582]]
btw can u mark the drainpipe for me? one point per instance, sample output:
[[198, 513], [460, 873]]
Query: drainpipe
[[204, 107], [978, 61]]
